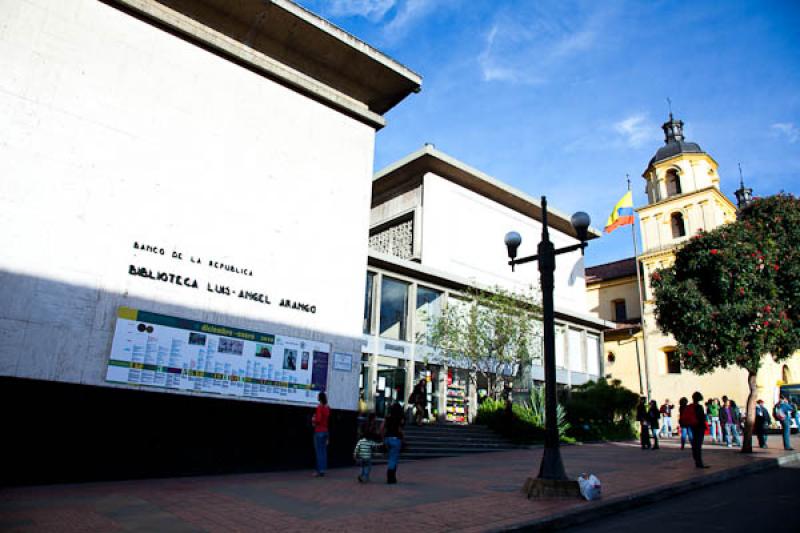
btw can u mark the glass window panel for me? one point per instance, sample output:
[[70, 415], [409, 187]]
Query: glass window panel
[[673, 362], [429, 308], [593, 354], [620, 312], [367, 326], [560, 348], [575, 358], [394, 308]]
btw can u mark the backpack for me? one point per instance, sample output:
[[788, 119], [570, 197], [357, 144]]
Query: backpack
[[689, 416], [778, 412]]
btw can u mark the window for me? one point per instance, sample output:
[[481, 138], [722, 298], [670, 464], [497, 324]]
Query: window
[[593, 354], [678, 228], [673, 362], [370, 288], [575, 360], [620, 312], [673, 182], [560, 356], [429, 307], [394, 308]]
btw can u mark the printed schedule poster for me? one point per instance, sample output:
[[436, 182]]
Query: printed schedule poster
[[163, 351]]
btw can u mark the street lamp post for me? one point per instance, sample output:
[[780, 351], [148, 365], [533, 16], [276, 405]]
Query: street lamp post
[[552, 467]]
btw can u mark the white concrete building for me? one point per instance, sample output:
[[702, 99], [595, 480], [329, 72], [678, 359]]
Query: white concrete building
[[201, 171], [437, 227]]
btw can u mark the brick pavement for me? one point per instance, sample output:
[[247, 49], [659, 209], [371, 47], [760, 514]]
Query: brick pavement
[[472, 493]]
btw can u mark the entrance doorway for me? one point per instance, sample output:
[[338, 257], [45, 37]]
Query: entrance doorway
[[391, 386]]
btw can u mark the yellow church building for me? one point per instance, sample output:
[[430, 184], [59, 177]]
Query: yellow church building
[[683, 197]]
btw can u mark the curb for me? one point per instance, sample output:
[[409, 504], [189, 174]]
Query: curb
[[646, 497]]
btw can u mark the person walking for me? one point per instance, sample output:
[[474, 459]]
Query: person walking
[[644, 425], [653, 416], [728, 420], [392, 431], [738, 418], [783, 414], [420, 400], [696, 419], [666, 418], [713, 417], [320, 423], [686, 429], [762, 423], [363, 454]]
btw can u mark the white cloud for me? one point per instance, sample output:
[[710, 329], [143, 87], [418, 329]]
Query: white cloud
[[531, 49], [637, 130], [373, 10], [409, 12], [787, 130]]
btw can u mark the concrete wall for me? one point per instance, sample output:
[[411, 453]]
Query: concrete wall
[[731, 382], [694, 171], [116, 133], [701, 211], [463, 234], [600, 298]]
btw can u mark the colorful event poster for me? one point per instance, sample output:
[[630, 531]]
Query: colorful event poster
[[162, 351]]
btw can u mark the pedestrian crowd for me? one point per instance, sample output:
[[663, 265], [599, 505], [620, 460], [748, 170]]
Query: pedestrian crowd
[[721, 419]]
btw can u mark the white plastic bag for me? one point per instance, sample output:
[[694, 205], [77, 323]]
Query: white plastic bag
[[590, 486]]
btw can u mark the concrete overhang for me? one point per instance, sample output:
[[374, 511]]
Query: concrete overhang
[[283, 41], [412, 168]]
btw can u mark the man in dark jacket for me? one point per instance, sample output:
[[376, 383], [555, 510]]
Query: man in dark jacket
[[698, 430], [644, 425], [763, 421]]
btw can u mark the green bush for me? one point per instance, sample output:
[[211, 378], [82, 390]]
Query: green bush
[[526, 421], [599, 410]]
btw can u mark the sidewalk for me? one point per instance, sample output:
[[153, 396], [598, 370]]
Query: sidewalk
[[473, 493]]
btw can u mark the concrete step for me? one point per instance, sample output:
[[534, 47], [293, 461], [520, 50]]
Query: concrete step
[[449, 440]]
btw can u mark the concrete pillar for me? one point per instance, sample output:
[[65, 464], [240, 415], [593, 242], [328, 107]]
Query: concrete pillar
[[443, 394], [373, 381], [409, 365]]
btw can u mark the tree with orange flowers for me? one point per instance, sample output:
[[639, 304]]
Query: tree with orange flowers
[[732, 296]]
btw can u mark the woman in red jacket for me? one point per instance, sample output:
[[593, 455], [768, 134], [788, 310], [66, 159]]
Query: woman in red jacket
[[320, 423]]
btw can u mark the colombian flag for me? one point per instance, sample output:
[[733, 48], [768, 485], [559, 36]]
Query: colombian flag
[[622, 215]]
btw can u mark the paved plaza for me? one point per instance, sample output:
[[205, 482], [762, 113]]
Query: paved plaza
[[472, 493]]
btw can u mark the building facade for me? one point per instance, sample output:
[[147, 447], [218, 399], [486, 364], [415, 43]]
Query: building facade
[[684, 197], [436, 229], [171, 174]]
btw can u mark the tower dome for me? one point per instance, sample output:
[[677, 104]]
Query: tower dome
[[674, 142]]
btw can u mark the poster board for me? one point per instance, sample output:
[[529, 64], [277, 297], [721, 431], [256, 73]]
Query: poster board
[[156, 350]]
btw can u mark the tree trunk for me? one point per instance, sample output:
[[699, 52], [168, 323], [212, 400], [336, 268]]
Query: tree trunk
[[750, 421]]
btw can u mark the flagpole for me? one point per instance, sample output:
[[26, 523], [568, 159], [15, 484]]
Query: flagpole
[[641, 302]]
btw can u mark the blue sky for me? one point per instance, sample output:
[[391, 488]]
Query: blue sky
[[564, 98]]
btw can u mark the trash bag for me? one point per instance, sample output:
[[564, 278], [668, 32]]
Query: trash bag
[[590, 486]]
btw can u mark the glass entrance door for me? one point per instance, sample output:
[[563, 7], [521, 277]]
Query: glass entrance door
[[391, 386]]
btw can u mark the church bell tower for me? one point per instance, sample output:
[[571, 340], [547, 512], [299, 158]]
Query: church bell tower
[[683, 198]]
